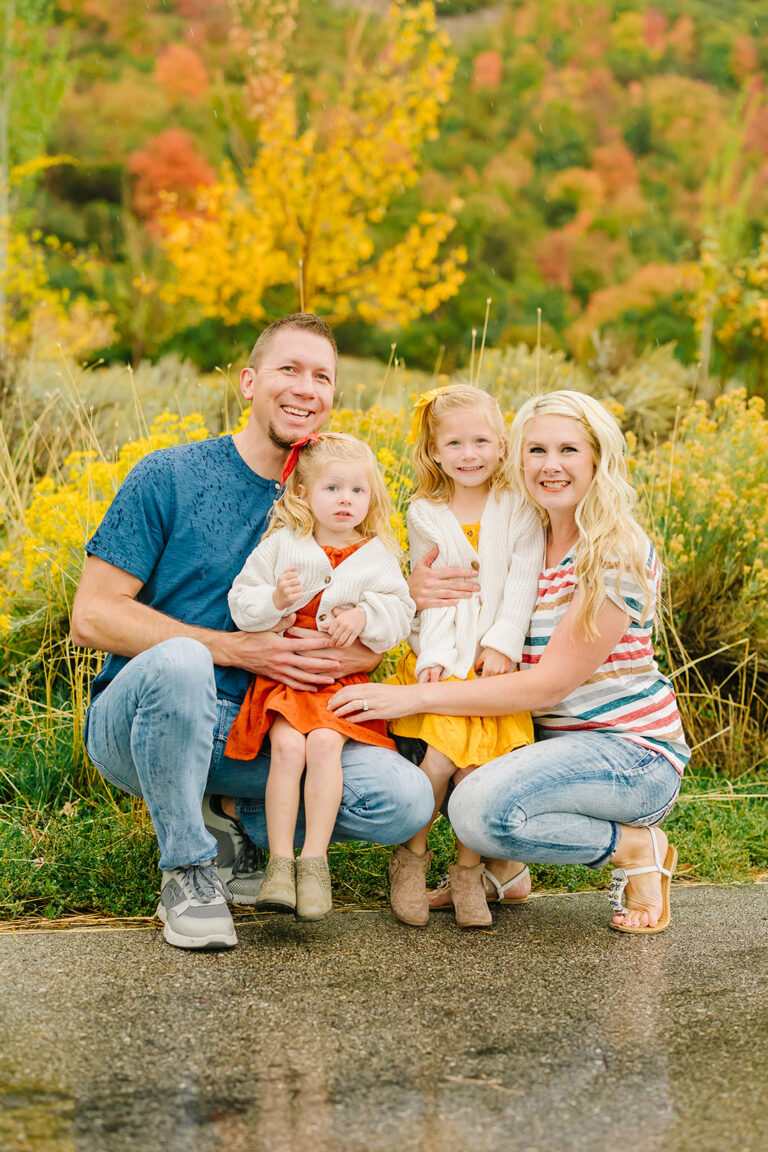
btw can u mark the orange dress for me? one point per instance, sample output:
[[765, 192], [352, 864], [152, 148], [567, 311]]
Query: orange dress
[[304, 711]]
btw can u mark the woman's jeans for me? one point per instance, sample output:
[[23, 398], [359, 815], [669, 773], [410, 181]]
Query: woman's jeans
[[562, 799], [158, 731]]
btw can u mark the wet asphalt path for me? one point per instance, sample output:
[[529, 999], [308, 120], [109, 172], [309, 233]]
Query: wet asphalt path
[[548, 1032]]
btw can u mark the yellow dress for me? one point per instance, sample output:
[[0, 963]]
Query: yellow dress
[[467, 740]]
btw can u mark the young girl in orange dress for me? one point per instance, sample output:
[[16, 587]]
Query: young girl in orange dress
[[329, 557], [463, 502]]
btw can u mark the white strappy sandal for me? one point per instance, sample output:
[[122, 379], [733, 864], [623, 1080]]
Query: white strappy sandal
[[497, 897], [500, 897], [620, 876]]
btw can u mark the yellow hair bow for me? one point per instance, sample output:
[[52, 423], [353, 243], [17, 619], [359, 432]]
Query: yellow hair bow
[[419, 408]]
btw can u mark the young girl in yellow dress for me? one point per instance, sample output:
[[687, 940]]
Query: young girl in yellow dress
[[463, 502], [329, 557]]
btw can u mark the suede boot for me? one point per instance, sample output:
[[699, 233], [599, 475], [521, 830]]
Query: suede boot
[[278, 889], [408, 886], [469, 899], [313, 888]]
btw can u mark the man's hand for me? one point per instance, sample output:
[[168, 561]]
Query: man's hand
[[345, 628], [287, 590], [106, 615], [492, 663], [430, 675], [292, 660], [356, 657], [440, 587]]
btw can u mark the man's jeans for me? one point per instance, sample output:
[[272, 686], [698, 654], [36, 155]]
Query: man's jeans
[[562, 799], [159, 731]]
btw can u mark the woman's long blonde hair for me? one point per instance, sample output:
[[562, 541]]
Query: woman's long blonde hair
[[431, 482], [292, 510], [610, 536]]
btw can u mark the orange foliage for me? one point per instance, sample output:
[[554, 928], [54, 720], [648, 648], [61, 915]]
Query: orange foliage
[[757, 130], [682, 37], [616, 166], [640, 291], [181, 72], [745, 60], [169, 163], [206, 20], [655, 29], [487, 69], [553, 257]]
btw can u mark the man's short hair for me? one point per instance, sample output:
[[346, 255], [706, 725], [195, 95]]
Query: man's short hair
[[302, 322]]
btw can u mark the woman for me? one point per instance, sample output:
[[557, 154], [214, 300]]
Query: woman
[[610, 751]]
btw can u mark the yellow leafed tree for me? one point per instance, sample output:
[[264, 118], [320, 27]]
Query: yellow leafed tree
[[304, 211]]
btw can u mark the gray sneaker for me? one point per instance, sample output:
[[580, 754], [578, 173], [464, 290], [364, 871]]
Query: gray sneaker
[[193, 908], [237, 858]]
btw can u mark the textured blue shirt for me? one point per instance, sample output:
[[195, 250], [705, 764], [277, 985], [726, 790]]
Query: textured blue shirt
[[184, 521]]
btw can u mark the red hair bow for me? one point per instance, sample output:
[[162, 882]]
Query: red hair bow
[[293, 455]]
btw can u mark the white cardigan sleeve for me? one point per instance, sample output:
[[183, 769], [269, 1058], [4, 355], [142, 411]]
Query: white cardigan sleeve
[[387, 605], [436, 636], [250, 597], [509, 629]]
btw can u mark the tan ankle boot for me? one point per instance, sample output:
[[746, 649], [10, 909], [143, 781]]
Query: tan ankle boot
[[469, 899], [278, 888], [408, 886], [313, 888]]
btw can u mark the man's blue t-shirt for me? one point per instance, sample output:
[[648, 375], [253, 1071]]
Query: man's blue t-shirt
[[184, 521]]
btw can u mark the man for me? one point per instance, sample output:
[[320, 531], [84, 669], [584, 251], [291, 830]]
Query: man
[[153, 594]]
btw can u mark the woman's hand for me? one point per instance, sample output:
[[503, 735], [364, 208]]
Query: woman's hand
[[385, 701], [492, 663]]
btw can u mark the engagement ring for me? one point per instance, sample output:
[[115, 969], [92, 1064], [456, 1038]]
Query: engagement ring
[[365, 705]]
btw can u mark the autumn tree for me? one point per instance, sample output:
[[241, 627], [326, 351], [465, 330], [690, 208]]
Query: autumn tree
[[304, 211]]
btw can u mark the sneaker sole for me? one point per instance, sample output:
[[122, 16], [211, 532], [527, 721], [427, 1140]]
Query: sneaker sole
[[216, 940], [237, 898]]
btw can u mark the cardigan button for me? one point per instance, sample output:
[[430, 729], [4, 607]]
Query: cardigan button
[[323, 616], [327, 580], [476, 565]]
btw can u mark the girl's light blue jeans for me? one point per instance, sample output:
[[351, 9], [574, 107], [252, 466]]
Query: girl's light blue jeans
[[159, 731], [562, 799]]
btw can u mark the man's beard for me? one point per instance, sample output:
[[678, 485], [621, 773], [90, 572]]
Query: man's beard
[[278, 440]]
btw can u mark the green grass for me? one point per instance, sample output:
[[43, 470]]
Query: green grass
[[70, 856]]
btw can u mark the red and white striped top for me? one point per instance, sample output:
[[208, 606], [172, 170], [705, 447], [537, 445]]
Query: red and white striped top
[[627, 694]]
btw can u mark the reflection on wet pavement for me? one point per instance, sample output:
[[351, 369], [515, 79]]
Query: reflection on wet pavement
[[547, 1033], [35, 1117]]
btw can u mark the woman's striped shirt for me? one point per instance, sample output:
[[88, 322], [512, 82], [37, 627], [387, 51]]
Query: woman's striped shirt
[[627, 694]]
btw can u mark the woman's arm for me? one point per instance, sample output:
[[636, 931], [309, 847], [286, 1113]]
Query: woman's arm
[[567, 661]]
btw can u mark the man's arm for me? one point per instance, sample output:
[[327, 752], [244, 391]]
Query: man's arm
[[107, 616], [440, 587]]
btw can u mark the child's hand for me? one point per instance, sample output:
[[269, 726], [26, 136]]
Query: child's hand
[[430, 675], [492, 663], [287, 590], [345, 628]]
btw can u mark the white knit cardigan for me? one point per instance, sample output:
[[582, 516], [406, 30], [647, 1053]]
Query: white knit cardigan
[[510, 556], [369, 579]]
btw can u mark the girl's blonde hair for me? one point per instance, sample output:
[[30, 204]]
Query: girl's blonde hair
[[431, 482], [610, 536], [292, 510]]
